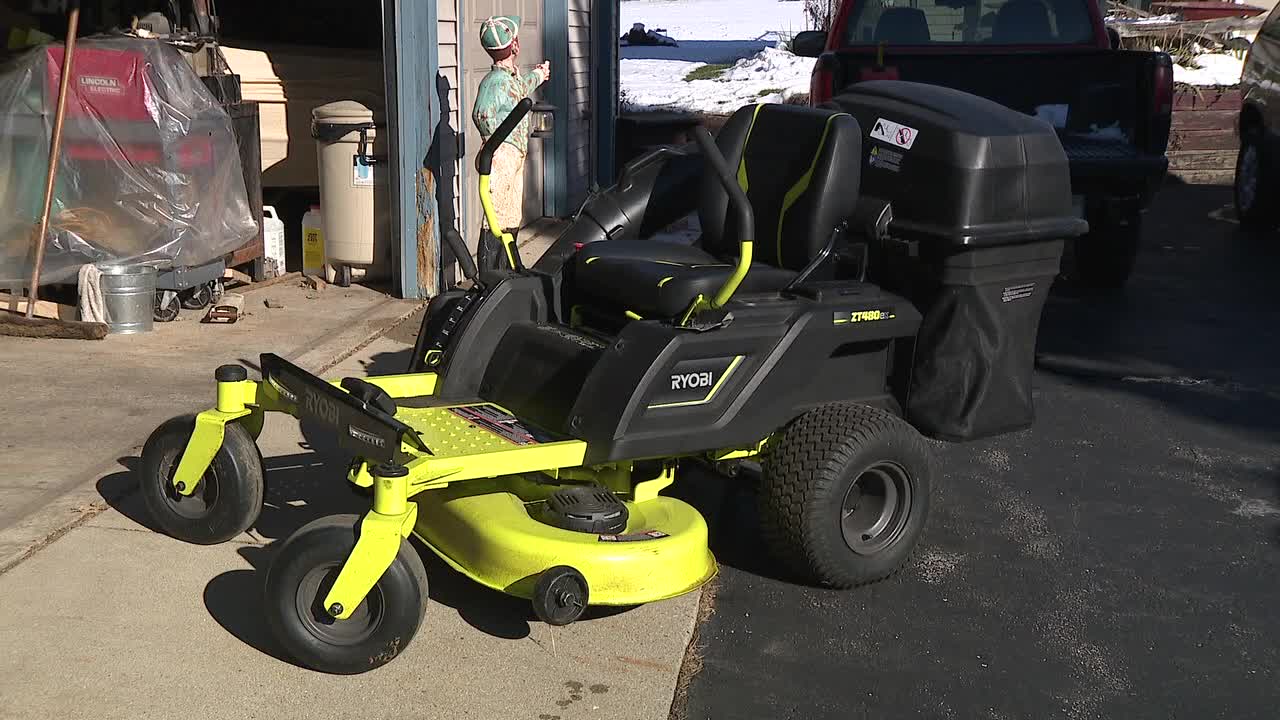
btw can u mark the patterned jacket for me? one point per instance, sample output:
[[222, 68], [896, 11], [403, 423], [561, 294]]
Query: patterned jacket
[[499, 92]]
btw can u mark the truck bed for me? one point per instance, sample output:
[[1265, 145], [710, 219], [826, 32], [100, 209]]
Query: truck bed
[[1100, 89]]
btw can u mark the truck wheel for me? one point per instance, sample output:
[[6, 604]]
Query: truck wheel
[[844, 495], [379, 628], [1253, 183], [1105, 256], [227, 499]]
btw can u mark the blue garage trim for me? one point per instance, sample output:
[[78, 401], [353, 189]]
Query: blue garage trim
[[604, 87], [411, 63], [555, 40]]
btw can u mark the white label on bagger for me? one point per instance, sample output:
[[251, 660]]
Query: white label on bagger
[[1017, 292], [894, 134]]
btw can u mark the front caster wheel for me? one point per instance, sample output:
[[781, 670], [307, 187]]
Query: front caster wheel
[[845, 494], [560, 595], [227, 499], [377, 630]]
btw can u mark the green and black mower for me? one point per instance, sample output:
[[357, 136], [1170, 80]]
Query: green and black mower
[[865, 272]]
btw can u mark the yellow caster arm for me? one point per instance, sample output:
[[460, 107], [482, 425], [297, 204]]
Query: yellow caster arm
[[381, 532]]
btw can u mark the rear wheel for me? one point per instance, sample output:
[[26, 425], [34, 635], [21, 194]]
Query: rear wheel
[[228, 497], [378, 629], [845, 494], [1253, 182]]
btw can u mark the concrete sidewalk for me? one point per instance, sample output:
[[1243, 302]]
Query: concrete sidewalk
[[73, 407], [113, 620]]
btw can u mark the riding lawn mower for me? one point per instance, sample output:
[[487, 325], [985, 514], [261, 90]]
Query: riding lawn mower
[[869, 273]]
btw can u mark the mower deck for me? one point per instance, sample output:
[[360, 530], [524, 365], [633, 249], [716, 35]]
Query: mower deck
[[490, 535]]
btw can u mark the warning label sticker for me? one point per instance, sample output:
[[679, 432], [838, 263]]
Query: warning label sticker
[[634, 537], [1017, 292], [362, 172], [885, 159], [501, 423], [894, 134]]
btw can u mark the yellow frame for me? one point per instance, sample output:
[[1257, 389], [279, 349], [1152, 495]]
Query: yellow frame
[[670, 566]]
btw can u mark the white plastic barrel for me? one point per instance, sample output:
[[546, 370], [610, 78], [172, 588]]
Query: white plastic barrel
[[356, 224], [273, 241]]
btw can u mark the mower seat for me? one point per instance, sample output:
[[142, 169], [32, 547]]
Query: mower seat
[[800, 168]]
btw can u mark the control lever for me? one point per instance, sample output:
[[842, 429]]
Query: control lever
[[460, 251]]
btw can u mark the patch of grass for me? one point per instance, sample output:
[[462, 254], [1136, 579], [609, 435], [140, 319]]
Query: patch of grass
[[710, 71], [768, 91]]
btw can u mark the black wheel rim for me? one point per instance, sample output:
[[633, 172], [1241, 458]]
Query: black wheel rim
[[565, 599], [876, 507], [199, 503], [309, 605]]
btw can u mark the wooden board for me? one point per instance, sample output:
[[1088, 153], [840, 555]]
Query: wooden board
[[1203, 140], [1206, 98], [16, 305], [1220, 120]]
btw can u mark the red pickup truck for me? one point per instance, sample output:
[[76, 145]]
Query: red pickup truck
[[1051, 58]]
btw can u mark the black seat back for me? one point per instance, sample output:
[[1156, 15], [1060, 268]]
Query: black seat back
[[903, 26], [1022, 21], [800, 168]]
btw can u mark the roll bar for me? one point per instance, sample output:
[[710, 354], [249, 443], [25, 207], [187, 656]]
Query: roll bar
[[484, 165], [738, 201]]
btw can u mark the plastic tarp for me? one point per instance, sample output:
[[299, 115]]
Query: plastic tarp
[[150, 171]]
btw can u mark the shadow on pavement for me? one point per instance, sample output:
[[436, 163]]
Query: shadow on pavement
[[1195, 328], [235, 601], [729, 507]]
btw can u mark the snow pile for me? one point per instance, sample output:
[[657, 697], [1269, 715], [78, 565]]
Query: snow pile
[[1215, 69], [773, 75], [747, 35]]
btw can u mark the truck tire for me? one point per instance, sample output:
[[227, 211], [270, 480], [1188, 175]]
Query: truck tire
[[1104, 258], [1253, 184], [844, 494]]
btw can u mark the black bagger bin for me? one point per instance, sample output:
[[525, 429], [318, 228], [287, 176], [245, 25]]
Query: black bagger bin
[[980, 197]]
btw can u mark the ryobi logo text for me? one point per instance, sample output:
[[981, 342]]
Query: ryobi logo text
[[320, 406], [692, 381]]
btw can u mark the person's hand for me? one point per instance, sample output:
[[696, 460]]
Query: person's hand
[[544, 70]]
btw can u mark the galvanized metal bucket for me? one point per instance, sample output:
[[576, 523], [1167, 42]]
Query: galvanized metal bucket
[[128, 297]]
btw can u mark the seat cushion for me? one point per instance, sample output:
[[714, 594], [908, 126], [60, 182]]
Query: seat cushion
[[657, 279]]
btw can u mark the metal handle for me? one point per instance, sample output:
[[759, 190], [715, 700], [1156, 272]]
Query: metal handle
[[363, 151], [484, 161]]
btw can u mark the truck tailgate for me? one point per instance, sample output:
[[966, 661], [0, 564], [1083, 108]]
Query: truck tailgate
[[1099, 88]]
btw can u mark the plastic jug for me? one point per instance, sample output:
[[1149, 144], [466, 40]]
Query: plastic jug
[[313, 257], [273, 241]]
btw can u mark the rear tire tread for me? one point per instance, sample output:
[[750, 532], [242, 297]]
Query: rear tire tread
[[802, 477]]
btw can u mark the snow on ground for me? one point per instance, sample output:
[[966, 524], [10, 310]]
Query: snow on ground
[[1215, 69], [742, 33], [773, 75]]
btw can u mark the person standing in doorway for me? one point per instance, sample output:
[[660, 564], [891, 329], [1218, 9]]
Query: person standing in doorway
[[500, 90]]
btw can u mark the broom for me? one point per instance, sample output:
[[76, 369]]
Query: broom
[[30, 326]]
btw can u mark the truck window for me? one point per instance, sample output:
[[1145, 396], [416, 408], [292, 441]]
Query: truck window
[[991, 22]]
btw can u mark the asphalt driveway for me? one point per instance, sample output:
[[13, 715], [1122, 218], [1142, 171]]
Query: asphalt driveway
[[1119, 560]]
